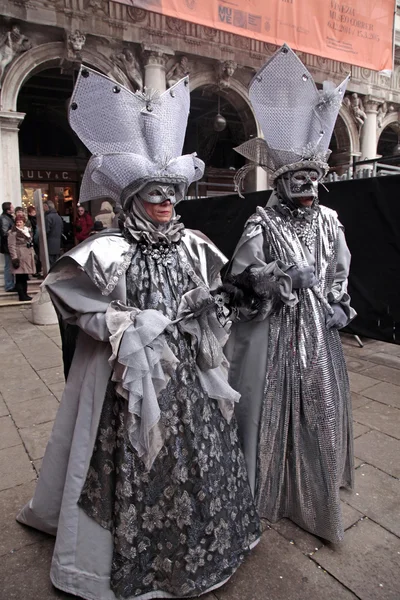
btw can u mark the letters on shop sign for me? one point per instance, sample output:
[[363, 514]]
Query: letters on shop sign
[[48, 175]]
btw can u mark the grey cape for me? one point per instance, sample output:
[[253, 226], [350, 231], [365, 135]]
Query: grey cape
[[294, 416]]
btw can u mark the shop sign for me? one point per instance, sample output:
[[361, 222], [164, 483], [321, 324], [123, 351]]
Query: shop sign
[[37, 175]]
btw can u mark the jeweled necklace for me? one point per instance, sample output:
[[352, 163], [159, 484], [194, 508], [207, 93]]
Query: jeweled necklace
[[160, 252], [304, 220]]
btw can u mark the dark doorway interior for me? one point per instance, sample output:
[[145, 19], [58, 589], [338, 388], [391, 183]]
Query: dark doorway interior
[[52, 157], [215, 148]]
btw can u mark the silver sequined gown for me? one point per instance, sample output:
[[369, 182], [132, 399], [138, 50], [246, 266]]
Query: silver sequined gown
[[295, 413]]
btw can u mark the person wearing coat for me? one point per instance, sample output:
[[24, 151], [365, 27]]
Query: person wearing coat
[[105, 214], [83, 225], [20, 246], [35, 232], [54, 229], [6, 223]]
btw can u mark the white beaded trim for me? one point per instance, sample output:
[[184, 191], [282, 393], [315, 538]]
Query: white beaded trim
[[120, 271]]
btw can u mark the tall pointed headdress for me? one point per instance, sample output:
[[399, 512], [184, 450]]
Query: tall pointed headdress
[[296, 118], [134, 138]]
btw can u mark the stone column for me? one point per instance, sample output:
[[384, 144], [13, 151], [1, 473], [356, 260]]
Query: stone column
[[10, 175], [261, 180], [369, 130], [155, 58], [256, 181]]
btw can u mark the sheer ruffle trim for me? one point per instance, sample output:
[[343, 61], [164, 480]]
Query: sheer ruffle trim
[[143, 363]]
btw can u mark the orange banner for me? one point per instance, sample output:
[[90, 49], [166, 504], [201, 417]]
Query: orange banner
[[359, 32]]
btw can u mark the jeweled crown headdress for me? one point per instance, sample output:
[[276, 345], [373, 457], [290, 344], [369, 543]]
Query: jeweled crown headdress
[[134, 138], [296, 118]]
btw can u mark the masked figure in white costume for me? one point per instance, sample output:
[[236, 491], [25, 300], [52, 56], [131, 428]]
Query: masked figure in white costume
[[291, 265], [143, 481]]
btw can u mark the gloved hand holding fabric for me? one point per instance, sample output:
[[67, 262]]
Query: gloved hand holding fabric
[[302, 277], [339, 318]]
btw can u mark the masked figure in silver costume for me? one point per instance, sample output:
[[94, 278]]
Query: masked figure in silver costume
[[291, 266], [143, 481]]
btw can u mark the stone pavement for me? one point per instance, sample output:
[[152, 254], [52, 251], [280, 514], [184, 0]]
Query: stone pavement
[[288, 564]]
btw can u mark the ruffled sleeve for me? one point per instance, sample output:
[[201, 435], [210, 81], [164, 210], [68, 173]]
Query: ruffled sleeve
[[77, 300]]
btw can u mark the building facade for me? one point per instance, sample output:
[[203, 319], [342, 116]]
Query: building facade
[[43, 42]]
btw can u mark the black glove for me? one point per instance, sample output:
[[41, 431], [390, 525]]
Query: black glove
[[240, 290], [302, 277], [339, 318], [15, 263]]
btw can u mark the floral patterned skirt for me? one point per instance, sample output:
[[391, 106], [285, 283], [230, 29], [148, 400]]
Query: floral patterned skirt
[[186, 525]]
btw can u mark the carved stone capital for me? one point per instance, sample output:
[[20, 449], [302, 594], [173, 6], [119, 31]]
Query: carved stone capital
[[154, 54], [11, 121], [371, 104]]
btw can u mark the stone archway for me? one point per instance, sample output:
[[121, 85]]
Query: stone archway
[[234, 96], [45, 56], [31, 62], [389, 136], [391, 119], [390, 125], [345, 142], [340, 146], [238, 97]]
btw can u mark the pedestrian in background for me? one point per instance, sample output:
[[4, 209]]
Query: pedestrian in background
[[19, 210], [6, 223], [20, 245], [83, 225], [115, 221], [54, 229], [35, 234], [106, 214]]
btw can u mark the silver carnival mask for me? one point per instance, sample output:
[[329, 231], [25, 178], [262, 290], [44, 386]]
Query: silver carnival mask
[[157, 193], [302, 183]]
